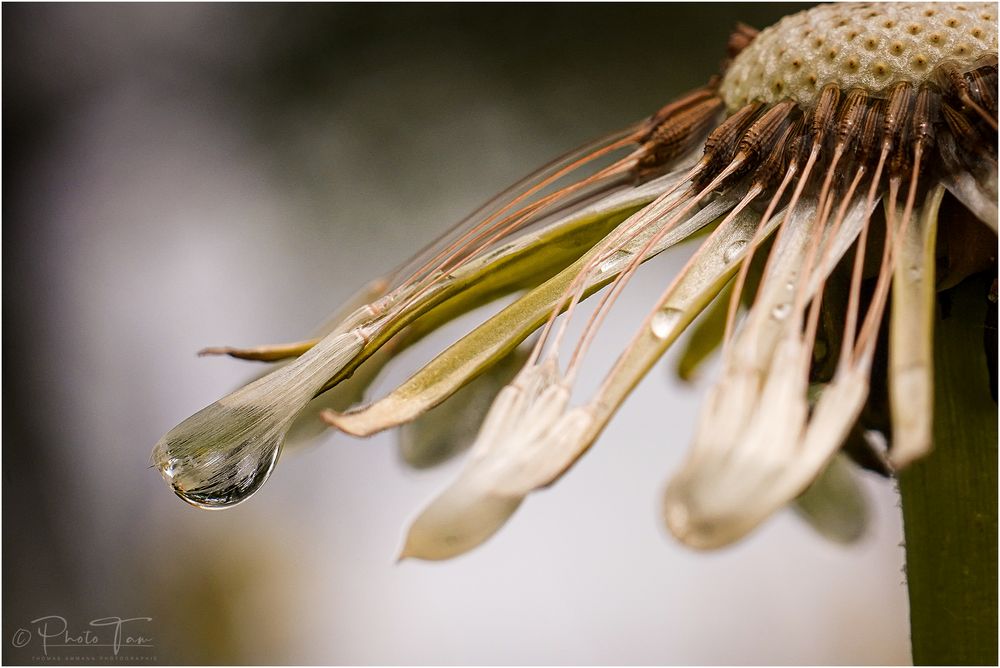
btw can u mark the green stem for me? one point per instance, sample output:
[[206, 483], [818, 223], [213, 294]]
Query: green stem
[[950, 497]]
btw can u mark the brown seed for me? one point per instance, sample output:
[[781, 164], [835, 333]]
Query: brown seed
[[896, 109], [851, 114], [760, 137]]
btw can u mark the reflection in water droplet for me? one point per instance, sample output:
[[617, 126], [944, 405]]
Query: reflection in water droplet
[[663, 322], [221, 455], [245, 478], [780, 312], [733, 250]]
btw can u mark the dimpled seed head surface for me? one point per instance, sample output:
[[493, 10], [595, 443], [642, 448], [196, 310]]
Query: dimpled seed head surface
[[868, 46]]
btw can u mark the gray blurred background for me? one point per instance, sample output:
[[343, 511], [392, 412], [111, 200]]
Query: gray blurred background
[[183, 175]]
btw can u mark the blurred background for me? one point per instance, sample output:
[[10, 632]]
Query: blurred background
[[178, 176]]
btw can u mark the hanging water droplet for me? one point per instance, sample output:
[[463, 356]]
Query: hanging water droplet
[[663, 322], [222, 454], [780, 312], [733, 250]]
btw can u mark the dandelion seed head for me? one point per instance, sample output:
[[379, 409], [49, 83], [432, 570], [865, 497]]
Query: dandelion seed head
[[857, 46], [835, 113]]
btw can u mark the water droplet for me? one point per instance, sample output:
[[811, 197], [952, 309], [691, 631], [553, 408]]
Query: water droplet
[[247, 477], [791, 280], [663, 321], [222, 454], [780, 312], [616, 262], [733, 250]]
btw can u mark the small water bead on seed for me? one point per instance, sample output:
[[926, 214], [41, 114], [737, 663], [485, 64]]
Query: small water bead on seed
[[664, 321], [781, 311], [614, 263], [733, 250]]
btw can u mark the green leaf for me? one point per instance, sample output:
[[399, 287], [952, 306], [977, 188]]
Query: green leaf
[[950, 497]]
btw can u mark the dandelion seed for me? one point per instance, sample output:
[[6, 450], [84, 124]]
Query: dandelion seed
[[821, 157]]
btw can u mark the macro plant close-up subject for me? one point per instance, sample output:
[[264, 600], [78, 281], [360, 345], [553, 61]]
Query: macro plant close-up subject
[[825, 150], [784, 279]]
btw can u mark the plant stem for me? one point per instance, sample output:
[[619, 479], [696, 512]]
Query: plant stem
[[950, 497]]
